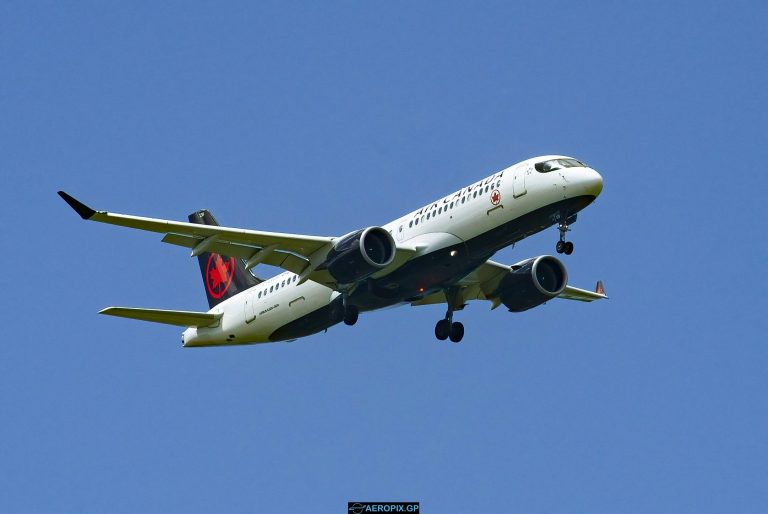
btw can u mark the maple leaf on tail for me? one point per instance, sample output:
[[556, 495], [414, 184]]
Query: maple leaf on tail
[[219, 272]]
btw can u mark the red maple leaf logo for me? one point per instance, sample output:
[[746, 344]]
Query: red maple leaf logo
[[219, 275], [495, 197]]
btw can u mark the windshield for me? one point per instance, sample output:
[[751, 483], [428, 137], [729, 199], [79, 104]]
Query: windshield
[[556, 164]]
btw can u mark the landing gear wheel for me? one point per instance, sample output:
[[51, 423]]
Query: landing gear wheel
[[568, 250], [457, 332], [337, 313], [350, 315], [443, 329], [560, 246]]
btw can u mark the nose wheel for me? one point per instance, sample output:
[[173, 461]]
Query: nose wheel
[[562, 245], [565, 247]]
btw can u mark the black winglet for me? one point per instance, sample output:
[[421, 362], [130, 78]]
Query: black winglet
[[83, 210]]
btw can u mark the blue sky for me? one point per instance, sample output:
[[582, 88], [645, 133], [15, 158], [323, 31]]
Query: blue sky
[[321, 118]]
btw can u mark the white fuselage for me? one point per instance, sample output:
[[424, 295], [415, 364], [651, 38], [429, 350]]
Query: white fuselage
[[253, 315]]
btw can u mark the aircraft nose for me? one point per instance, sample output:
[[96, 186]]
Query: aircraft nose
[[592, 181]]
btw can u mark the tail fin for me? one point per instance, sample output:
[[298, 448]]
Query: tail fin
[[223, 276]]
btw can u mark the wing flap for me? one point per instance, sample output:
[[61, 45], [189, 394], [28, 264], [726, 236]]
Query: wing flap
[[167, 317]]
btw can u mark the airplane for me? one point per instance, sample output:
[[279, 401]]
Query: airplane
[[437, 254]]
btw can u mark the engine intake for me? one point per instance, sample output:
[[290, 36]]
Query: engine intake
[[360, 254], [532, 283]]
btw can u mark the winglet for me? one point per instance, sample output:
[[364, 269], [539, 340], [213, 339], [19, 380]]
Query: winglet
[[599, 288], [83, 210]]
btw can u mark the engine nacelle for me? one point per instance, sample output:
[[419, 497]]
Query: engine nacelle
[[532, 283], [360, 254]]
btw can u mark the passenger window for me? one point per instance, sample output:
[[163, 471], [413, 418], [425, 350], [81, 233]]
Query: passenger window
[[410, 224], [259, 294], [271, 288]]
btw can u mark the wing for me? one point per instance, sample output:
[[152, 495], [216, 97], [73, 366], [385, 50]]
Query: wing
[[239, 242], [482, 283], [299, 254], [582, 295], [180, 318]]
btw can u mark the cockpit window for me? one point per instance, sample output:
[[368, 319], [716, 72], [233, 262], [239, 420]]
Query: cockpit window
[[556, 164]]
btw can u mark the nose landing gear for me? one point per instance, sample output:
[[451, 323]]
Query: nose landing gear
[[562, 245]]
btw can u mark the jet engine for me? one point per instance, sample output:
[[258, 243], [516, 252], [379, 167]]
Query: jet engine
[[532, 282], [360, 254]]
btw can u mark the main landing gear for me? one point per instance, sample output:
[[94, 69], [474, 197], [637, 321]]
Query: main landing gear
[[447, 328], [564, 246], [345, 312], [351, 312]]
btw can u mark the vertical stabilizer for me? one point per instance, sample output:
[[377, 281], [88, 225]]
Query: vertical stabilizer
[[223, 276]]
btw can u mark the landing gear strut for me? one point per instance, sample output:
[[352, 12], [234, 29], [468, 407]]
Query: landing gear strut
[[446, 327], [562, 245]]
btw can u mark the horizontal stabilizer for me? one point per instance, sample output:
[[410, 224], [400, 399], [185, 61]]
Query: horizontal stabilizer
[[180, 318]]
